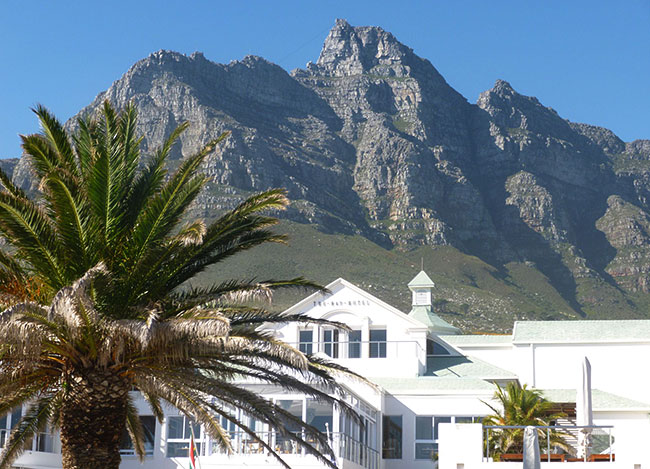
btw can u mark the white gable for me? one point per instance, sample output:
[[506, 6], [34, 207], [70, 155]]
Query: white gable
[[348, 303], [382, 341]]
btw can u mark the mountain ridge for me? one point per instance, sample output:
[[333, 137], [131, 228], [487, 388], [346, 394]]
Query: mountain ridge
[[371, 141]]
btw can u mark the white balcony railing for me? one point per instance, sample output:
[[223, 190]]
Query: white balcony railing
[[350, 350], [600, 446]]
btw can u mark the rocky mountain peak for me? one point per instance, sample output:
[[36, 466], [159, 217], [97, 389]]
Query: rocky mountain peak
[[163, 57], [502, 88], [355, 50], [512, 110]]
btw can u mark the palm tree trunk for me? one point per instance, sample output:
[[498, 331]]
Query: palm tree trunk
[[93, 417]]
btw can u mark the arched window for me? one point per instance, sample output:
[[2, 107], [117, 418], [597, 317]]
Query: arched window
[[435, 348]]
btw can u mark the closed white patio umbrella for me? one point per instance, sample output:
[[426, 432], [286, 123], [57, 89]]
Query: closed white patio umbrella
[[584, 414], [531, 449]]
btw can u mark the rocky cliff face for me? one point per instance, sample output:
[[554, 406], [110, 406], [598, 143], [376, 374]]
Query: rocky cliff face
[[370, 140]]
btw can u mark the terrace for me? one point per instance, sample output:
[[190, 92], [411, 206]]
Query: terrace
[[464, 446]]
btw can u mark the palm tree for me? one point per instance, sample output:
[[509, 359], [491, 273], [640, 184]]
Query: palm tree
[[94, 279], [520, 406]]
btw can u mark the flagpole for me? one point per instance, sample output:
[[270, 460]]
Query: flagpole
[[198, 456]]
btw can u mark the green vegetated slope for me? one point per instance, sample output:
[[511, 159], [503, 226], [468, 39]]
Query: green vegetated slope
[[469, 293]]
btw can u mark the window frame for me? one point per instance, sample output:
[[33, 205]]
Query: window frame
[[333, 343], [378, 348], [431, 352], [198, 440], [355, 345], [306, 346], [398, 451], [130, 451], [435, 421]]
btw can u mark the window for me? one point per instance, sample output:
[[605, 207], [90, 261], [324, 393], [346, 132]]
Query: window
[[179, 434], [354, 432], [331, 342], [148, 423], [424, 428], [439, 420], [354, 344], [425, 446], [422, 297], [44, 442], [3, 431], [392, 437], [434, 348], [468, 419], [16, 414], [378, 343], [8, 422], [426, 433], [306, 341], [284, 443], [229, 426], [320, 415]]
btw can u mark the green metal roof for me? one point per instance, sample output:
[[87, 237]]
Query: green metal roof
[[421, 280], [476, 339], [601, 400], [435, 323], [434, 385], [581, 331], [465, 367]]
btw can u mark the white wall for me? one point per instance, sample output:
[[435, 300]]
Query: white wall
[[615, 368], [460, 446]]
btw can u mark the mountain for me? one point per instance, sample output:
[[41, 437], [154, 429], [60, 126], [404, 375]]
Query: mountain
[[517, 212]]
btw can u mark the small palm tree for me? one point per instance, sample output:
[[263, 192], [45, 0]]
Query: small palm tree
[[520, 406], [94, 282]]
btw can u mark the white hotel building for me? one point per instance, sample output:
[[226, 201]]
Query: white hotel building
[[431, 384]]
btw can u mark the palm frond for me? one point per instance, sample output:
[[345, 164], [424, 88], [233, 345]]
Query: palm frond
[[235, 291], [40, 154], [58, 139], [28, 229], [150, 179], [9, 185], [164, 210], [73, 223], [19, 396], [135, 430], [11, 267], [34, 420], [154, 405]]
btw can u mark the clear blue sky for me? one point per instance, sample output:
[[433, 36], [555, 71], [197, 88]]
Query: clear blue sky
[[589, 60]]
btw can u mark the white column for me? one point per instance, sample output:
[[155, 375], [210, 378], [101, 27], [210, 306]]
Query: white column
[[294, 334], [365, 338], [317, 344]]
